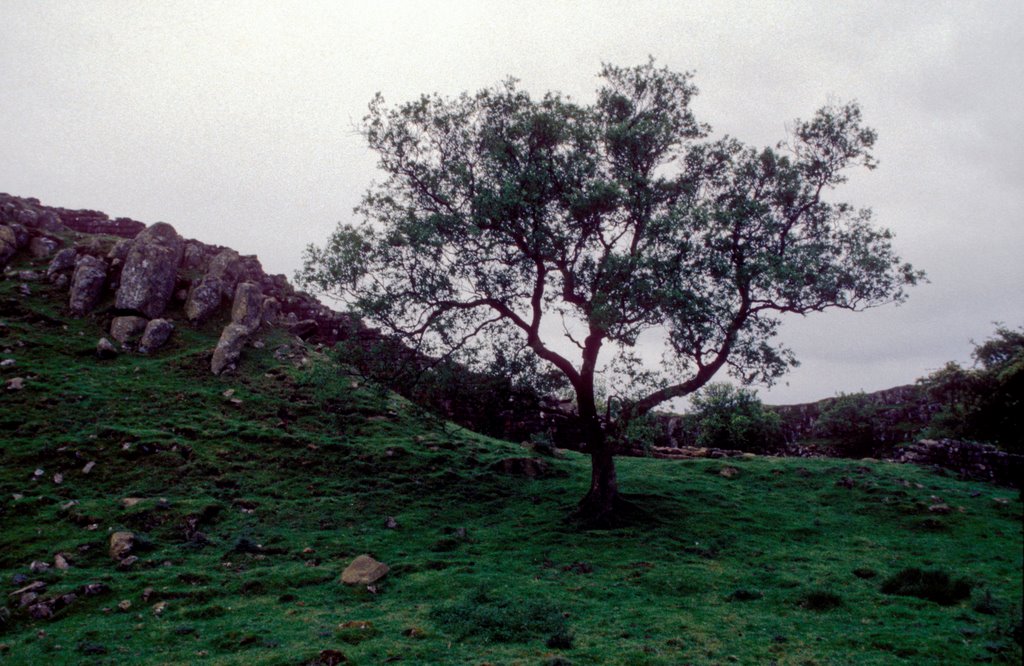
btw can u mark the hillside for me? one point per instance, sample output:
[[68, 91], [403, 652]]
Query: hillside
[[247, 494]]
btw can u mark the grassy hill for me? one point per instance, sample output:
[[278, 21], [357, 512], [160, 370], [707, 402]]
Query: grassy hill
[[249, 494]]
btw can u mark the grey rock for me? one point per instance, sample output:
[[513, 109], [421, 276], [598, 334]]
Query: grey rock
[[204, 299], [246, 310], [229, 348], [121, 545], [126, 329], [227, 267], [105, 349], [8, 245], [194, 256], [63, 262], [271, 311], [119, 251], [155, 336], [150, 268], [87, 284]]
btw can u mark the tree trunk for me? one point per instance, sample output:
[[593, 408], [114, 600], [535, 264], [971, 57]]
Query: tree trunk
[[598, 506]]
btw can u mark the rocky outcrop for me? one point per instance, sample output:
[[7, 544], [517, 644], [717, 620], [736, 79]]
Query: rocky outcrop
[[204, 299], [982, 462], [87, 284], [150, 270], [9, 244], [62, 262], [246, 309], [229, 348], [126, 329]]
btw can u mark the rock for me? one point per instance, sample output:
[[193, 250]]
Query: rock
[[15, 383], [38, 566], [124, 605], [121, 544], [159, 608], [729, 472], [41, 611], [364, 570], [88, 467], [390, 523], [28, 276], [193, 255], [157, 332], [304, 328], [203, 299], [148, 277], [8, 245], [119, 252], [329, 658], [941, 508], [228, 268], [127, 328], [105, 349], [63, 262], [24, 289], [35, 586], [87, 284], [61, 562], [128, 562], [271, 310], [43, 246], [8, 363], [229, 348], [129, 502], [246, 309]]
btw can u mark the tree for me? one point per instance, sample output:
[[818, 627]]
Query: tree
[[571, 230], [730, 417]]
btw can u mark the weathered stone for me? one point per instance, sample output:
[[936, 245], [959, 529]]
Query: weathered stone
[[227, 267], [121, 545], [35, 586], [43, 246], [194, 256], [61, 562], [119, 251], [304, 328], [271, 311], [246, 308], [63, 262], [8, 245], [87, 284], [364, 570], [127, 328], [42, 610], [148, 277], [105, 349], [204, 299], [156, 335], [229, 348]]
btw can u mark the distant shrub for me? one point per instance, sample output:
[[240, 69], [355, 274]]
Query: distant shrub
[[851, 421], [484, 615], [933, 585], [730, 417]]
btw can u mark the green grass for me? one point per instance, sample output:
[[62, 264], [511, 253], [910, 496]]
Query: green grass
[[250, 512]]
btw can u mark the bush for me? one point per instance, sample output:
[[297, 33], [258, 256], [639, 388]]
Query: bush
[[728, 417], [851, 421]]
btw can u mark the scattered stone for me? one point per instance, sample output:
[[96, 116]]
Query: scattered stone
[[43, 246], [8, 363], [105, 349], [129, 502], [159, 608], [941, 509], [364, 570], [126, 329], [87, 284], [124, 605], [35, 586], [156, 335], [38, 566], [28, 276], [390, 523], [39, 472], [128, 562], [61, 562], [229, 348], [63, 262], [88, 467], [15, 383], [58, 478], [40, 611], [729, 472], [94, 589], [121, 544]]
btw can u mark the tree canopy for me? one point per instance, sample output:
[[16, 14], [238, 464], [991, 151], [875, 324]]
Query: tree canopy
[[587, 233]]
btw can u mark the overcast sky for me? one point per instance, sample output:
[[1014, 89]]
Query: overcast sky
[[234, 121]]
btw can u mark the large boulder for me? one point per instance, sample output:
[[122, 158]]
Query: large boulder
[[227, 266], [203, 299], [43, 246], [155, 336], [229, 348], [246, 309], [9, 244], [148, 277], [87, 284]]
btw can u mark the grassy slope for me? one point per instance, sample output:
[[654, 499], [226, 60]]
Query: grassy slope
[[518, 577]]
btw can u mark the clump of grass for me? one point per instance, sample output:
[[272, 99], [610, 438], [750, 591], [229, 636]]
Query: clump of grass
[[484, 615], [745, 595], [930, 584]]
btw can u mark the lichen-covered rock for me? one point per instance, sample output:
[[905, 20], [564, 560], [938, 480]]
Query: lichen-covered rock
[[194, 256], [63, 262], [227, 267], [271, 311], [148, 277], [229, 348], [246, 310], [204, 299], [87, 284], [8, 245], [125, 329], [105, 349], [156, 335], [364, 570], [119, 251]]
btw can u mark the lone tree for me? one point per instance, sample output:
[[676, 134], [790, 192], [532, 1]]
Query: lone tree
[[589, 233]]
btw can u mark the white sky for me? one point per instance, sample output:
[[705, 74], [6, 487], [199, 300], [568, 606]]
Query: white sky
[[234, 122]]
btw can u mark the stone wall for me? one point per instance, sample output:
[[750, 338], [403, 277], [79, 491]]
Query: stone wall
[[982, 462]]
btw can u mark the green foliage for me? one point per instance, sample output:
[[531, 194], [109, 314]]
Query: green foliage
[[851, 421], [730, 417], [505, 620], [986, 402]]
